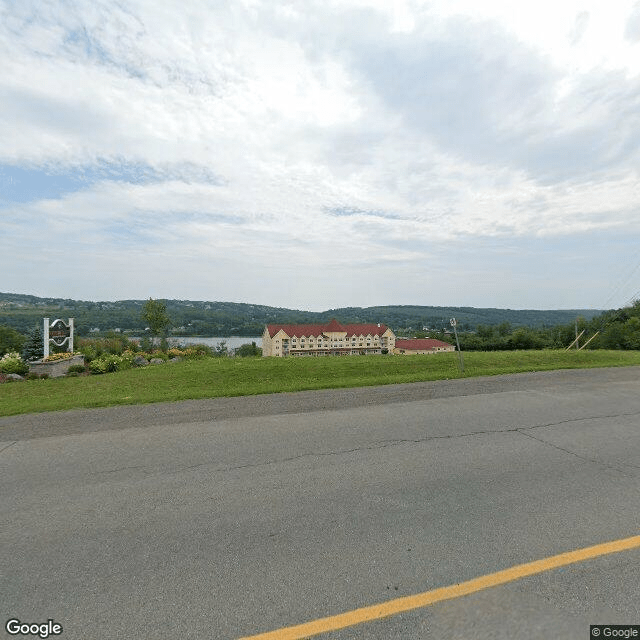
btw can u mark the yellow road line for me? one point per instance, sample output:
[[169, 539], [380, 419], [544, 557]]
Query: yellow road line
[[392, 607]]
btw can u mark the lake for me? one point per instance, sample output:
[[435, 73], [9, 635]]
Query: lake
[[233, 342]]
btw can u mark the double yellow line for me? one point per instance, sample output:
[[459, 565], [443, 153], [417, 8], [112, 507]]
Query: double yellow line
[[407, 603]]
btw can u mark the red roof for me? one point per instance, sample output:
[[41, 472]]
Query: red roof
[[333, 326], [420, 344]]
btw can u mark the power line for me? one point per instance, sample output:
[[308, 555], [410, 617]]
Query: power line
[[623, 284]]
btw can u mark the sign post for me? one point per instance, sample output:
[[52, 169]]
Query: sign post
[[59, 332], [454, 323]]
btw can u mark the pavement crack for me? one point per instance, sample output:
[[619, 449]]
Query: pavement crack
[[9, 445], [381, 444], [574, 454], [582, 419]]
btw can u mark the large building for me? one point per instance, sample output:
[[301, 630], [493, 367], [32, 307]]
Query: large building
[[414, 346], [330, 339]]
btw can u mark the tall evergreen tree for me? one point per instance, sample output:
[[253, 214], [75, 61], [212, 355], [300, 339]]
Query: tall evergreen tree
[[34, 345]]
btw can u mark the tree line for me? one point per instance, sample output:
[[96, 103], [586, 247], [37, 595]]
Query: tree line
[[207, 318], [615, 329]]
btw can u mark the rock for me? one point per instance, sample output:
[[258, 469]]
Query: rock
[[176, 359], [140, 361], [156, 361], [14, 376]]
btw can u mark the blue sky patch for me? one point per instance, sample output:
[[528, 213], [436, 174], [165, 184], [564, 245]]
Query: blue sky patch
[[23, 184]]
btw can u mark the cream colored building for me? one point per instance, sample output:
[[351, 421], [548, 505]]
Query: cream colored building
[[331, 339], [414, 346]]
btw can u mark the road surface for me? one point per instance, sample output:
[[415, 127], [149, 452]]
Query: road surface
[[230, 517]]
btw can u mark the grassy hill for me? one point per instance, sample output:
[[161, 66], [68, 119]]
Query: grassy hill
[[215, 318]]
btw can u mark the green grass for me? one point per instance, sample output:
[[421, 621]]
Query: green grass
[[216, 377]]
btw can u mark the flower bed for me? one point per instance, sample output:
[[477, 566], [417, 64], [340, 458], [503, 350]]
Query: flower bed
[[54, 357], [58, 367]]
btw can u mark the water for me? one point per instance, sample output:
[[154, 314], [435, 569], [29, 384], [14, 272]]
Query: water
[[232, 342]]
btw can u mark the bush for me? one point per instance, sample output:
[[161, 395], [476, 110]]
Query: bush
[[115, 344], [90, 352], [195, 351], [110, 362], [248, 350], [10, 340], [12, 362], [76, 368]]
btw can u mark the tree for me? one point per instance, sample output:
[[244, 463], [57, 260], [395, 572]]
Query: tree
[[154, 314], [34, 346], [221, 349], [10, 340], [248, 350], [504, 328]]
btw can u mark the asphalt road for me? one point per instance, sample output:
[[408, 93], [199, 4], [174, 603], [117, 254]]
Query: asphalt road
[[225, 518]]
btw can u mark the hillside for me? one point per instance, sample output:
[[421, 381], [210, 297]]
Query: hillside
[[214, 318]]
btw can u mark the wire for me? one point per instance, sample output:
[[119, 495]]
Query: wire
[[623, 284]]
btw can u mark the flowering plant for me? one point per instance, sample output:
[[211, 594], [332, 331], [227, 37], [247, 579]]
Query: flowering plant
[[12, 362], [58, 356]]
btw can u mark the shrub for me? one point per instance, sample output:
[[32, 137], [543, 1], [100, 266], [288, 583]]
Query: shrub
[[10, 340], [248, 350], [89, 351], [197, 351], [115, 344], [76, 368], [110, 362], [12, 362]]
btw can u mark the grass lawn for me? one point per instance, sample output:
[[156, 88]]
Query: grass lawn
[[215, 377]]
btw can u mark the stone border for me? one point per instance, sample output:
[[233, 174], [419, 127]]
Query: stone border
[[55, 369]]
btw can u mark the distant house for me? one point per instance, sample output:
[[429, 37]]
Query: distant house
[[329, 339], [421, 345]]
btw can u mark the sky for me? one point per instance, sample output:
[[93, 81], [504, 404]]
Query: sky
[[322, 154]]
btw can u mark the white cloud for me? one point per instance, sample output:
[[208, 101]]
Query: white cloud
[[256, 122]]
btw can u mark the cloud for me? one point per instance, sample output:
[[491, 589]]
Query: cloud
[[339, 135], [632, 28]]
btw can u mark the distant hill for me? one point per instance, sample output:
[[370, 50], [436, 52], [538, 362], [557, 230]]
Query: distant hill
[[213, 318]]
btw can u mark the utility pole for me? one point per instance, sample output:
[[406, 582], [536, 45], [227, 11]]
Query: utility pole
[[454, 322]]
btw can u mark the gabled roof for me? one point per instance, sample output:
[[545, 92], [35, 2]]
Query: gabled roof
[[334, 326], [330, 327], [420, 344]]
